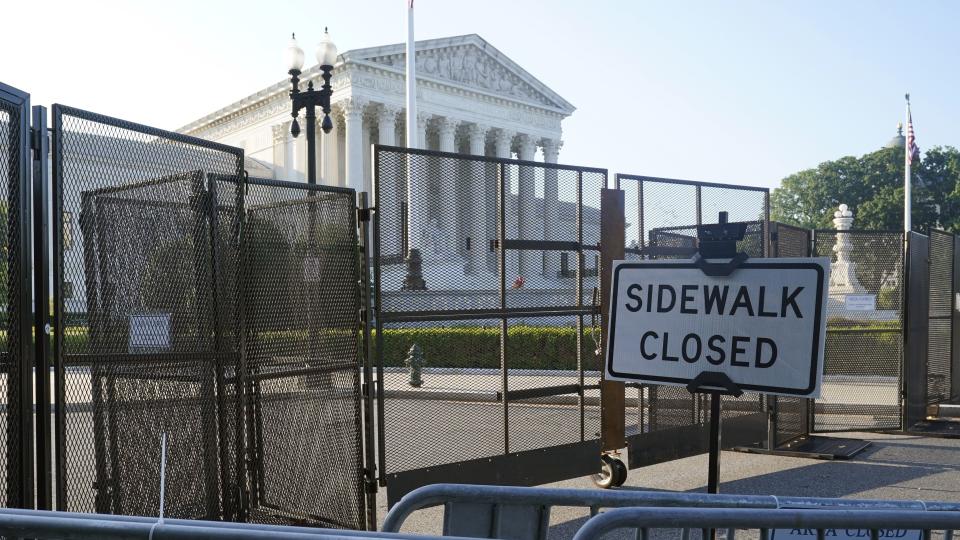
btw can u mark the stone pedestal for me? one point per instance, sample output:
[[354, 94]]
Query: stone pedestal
[[843, 272]]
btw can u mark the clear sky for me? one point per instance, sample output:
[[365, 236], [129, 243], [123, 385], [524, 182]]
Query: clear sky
[[734, 91]]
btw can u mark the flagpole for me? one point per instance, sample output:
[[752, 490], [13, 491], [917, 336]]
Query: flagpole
[[416, 196], [907, 209], [411, 82]]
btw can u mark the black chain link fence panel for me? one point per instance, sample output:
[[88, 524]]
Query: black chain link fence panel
[[145, 275], [940, 329], [792, 414], [12, 118], [501, 242], [864, 348], [301, 310], [662, 216]]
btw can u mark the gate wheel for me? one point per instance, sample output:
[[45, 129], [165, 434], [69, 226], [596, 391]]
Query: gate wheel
[[613, 473]]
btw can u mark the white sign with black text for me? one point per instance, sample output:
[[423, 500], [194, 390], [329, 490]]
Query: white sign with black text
[[860, 302], [149, 332], [763, 326], [844, 534]]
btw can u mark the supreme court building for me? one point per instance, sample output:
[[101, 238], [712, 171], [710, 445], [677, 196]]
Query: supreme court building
[[471, 99]]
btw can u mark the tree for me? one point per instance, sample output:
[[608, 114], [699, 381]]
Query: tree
[[872, 185]]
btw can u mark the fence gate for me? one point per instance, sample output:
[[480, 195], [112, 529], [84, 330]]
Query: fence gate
[[790, 415], [187, 303], [863, 359], [16, 370], [301, 311], [940, 322], [498, 330], [662, 215], [146, 340]]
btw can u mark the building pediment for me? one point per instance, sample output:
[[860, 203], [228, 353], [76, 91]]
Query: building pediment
[[469, 62]]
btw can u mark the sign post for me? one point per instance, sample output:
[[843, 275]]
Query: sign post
[[719, 323]]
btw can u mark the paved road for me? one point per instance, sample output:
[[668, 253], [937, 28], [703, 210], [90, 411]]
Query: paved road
[[895, 467]]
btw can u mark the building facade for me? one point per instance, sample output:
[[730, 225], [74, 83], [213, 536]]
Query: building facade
[[471, 99]]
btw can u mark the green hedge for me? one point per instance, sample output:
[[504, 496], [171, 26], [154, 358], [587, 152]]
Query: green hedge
[[850, 349], [528, 347]]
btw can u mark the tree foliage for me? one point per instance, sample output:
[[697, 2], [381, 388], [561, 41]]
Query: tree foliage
[[872, 185]]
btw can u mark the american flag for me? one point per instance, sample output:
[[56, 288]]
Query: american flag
[[913, 151]]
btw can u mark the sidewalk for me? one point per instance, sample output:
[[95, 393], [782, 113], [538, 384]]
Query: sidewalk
[[894, 467]]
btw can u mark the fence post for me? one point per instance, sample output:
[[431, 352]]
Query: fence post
[[916, 312], [41, 269], [612, 394], [955, 324], [366, 352]]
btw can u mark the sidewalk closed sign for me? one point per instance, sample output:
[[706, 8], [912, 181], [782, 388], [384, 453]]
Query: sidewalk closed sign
[[763, 325]]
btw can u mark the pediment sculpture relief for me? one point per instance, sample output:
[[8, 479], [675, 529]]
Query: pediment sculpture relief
[[470, 67]]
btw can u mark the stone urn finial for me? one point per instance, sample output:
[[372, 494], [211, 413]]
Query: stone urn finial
[[843, 218]]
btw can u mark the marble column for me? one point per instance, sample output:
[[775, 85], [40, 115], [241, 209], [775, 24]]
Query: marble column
[[476, 212], [353, 108], [502, 147], [329, 163], [447, 188], [551, 208], [299, 170], [422, 120], [289, 157], [502, 142], [367, 158], [391, 188], [279, 148], [526, 204]]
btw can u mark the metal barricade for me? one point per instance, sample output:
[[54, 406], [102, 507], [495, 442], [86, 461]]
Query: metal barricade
[[523, 513], [765, 520], [48, 525]]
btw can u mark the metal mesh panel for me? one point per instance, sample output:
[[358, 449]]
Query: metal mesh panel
[[509, 268], [147, 340], [940, 330], [662, 216], [301, 309], [13, 117], [864, 348], [744, 205], [542, 355], [440, 229], [455, 414], [792, 418]]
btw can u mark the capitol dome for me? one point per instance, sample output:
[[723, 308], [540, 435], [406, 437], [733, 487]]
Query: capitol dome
[[898, 141]]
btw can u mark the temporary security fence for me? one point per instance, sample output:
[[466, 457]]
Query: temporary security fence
[[524, 513], [16, 368], [865, 330], [662, 216], [789, 416], [485, 272], [183, 299], [231, 314], [187, 303]]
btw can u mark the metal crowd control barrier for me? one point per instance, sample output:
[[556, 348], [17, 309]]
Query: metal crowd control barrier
[[15, 523], [522, 513], [733, 519]]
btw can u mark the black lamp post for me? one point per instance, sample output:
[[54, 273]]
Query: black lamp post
[[311, 98]]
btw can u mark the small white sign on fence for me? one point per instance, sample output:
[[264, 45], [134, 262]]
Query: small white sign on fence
[[860, 302], [149, 332]]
